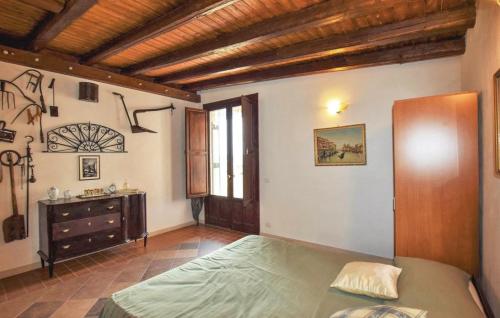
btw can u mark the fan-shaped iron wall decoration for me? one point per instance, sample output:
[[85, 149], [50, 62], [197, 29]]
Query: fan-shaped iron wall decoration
[[85, 137]]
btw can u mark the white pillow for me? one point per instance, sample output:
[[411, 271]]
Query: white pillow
[[381, 311], [370, 279]]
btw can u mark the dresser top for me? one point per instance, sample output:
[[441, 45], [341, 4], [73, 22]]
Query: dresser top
[[78, 200]]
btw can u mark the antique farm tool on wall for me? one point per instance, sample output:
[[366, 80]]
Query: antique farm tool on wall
[[30, 177], [6, 135], [13, 226], [34, 85], [53, 110], [135, 127], [7, 97], [85, 137]]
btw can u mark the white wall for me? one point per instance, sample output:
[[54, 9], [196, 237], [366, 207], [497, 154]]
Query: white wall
[[480, 62], [346, 207], [154, 162]]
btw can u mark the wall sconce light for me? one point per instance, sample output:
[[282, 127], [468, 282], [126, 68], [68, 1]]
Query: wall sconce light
[[335, 106]]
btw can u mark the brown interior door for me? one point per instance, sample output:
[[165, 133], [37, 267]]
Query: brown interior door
[[436, 179], [197, 174], [234, 198]]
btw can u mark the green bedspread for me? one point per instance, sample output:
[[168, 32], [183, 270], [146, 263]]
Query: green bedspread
[[263, 277]]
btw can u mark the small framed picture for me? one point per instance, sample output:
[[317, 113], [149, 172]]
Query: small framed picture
[[90, 167], [340, 146]]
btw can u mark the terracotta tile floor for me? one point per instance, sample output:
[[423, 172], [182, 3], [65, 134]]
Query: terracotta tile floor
[[80, 287]]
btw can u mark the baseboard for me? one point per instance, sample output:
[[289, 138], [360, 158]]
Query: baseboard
[[170, 229], [30, 267], [19, 270]]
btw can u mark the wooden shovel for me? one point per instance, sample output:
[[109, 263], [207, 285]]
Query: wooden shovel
[[13, 226]]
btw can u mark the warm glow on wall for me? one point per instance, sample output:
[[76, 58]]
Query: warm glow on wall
[[335, 106]]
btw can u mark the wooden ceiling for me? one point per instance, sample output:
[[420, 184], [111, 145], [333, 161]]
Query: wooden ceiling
[[188, 45]]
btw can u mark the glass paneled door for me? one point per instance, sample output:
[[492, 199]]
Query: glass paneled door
[[233, 152], [226, 152]]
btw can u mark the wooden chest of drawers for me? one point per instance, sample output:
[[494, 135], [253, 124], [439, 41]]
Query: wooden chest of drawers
[[71, 228]]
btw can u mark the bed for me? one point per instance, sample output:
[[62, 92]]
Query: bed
[[266, 277]]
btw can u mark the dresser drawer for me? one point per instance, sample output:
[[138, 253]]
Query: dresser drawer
[[73, 247], [101, 207], [88, 243], [67, 212], [64, 230]]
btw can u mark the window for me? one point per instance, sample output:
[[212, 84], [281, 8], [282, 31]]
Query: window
[[226, 152], [218, 152]]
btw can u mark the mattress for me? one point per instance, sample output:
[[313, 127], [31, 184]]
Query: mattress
[[265, 277]]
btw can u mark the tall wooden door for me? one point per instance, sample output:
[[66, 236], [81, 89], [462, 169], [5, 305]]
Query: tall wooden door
[[436, 175], [234, 164], [222, 162]]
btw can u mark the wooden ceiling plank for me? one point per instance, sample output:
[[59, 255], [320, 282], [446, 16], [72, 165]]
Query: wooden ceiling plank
[[324, 13], [52, 27], [409, 53], [56, 64], [53, 6], [420, 27], [182, 15]]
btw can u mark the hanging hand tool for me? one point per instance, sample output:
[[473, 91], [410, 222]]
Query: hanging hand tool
[[13, 226], [54, 110], [30, 178], [6, 135], [6, 96]]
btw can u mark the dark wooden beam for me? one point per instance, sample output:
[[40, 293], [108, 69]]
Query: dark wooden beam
[[52, 27], [56, 64], [404, 54], [53, 6], [421, 27], [324, 13], [189, 11]]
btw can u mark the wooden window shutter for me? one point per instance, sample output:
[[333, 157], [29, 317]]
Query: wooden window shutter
[[251, 149], [197, 153]]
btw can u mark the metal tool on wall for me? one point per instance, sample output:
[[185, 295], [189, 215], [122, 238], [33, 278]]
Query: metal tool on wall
[[13, 230], [53, 110], [13, 226], [8, 89], [135, 127], [6, 135]]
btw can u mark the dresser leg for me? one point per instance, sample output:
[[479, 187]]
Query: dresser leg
[[43, 262], [51, 269], [145, 240]]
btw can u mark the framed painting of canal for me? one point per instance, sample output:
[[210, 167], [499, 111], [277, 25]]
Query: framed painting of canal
[[497, 120], [340, 146]]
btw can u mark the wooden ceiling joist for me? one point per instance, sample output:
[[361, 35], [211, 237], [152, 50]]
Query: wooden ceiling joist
[[53, 6], [405, 54], [55, 64], [187, 12], [324, 13], [52, 27], [420, 27]]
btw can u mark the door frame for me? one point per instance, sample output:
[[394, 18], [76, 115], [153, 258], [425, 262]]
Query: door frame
[[224, 104]]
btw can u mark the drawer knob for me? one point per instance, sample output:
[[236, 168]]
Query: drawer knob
[[65, 213], [111, 236], [90, 240], [65, 231], [89, 224], [111, 207], [88, 209], [66, 246], [111, 221]]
